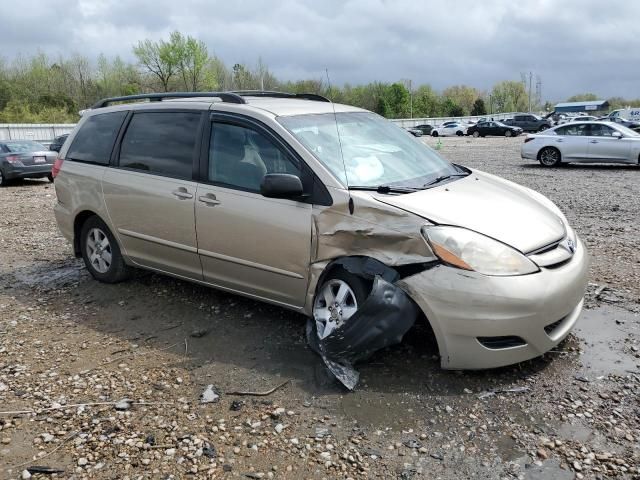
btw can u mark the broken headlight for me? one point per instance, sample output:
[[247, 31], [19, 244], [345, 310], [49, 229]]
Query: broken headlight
[[469, 250]]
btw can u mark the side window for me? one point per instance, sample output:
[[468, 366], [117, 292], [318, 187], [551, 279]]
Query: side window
[[598, 130], [94, 141], [518, 118], [162, 143], [572, 129], [240, 157]]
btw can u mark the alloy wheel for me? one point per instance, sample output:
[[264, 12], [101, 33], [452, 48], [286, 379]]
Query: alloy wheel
[[334, 305], [549, 157], [99, 250]]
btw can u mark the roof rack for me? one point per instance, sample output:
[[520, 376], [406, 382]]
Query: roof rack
[[274, 94], [228, 97]]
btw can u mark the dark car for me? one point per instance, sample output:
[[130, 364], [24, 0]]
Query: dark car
[[424, 128], [528, 122], [414, 131], [482, 129], [57, 143], [24, 159], [632, 124]]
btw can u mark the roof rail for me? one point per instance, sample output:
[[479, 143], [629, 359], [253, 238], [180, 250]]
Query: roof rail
[[274, 94], [228, 97]]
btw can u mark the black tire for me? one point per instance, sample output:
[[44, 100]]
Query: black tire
[[476, 134], [117, 270], [508, 133], [459, 133], [3, 180], [434, 133], [542, 128], [549, 157], [361, 288], [50, 178]]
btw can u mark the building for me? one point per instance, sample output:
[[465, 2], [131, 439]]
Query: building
[[590, 106]]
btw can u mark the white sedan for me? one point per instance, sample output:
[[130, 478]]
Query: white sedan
[[594, 142], [449, 128]]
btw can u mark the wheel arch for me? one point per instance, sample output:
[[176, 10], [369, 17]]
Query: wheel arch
[[549, 146], [78, 222]]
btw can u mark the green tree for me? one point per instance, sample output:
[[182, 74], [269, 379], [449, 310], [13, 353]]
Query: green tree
[[159, 59], [509, 96], [463, 96], [479, 107], [583, 97], [191, 57]]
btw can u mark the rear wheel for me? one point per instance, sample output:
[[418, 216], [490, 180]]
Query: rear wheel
[[549, 157], [459, 133], [542, 128], [337, 300], [101, 253], [476, 134], [434, 133], [3, 180], [508, 133], [50, 178]]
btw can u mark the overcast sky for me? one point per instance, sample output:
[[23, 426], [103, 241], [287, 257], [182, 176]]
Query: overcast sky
[[573, 45]]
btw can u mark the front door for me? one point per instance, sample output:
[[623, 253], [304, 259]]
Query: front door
[[248, 243], [150, 194], [604, 147]]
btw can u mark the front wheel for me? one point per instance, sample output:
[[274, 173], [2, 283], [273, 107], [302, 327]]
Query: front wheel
[[542, 128], [459, 133], [434, 134], [508, 133], [476, 134], [549, 157], [101, 253], [337, 300]]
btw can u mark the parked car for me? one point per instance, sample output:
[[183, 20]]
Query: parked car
[[583, 118], [632, 124], [24, 159], [426, 129], [528, 122], [325, 209], [57, 143], [601, 142], [416, 132], [447, 128], [482, 129]]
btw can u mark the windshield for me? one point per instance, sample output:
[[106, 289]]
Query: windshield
[[25, 146], [376, 152], [627, 132]]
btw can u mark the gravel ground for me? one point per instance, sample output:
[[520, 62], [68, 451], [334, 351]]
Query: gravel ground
[[108, 378]]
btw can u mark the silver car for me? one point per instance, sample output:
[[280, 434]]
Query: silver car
[[328, 210], [594, 142]]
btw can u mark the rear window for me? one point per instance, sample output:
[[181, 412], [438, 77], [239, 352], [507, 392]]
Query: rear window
[[24, 146], [162, 143], [94, 142]]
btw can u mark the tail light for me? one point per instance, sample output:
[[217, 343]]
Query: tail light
[[528, 139], [57, 165], [13, 159]]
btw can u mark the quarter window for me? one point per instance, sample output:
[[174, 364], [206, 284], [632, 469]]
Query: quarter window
[[94, 141], [573, 130], [240, 157], [161, 143]]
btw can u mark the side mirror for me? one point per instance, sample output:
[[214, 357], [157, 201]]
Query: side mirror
[[281, 185], [617, 135]]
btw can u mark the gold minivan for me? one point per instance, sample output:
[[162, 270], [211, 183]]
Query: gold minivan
[[326, 209]]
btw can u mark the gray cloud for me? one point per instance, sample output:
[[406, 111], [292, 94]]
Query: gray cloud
[[575, 45]]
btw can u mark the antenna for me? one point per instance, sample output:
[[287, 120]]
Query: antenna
[[335, 119]]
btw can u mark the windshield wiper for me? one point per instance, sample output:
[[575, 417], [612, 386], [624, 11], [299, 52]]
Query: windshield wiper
[[385, 189], [442, 178]]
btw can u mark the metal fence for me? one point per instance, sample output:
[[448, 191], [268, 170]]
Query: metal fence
[[46, 132], [38, 132]]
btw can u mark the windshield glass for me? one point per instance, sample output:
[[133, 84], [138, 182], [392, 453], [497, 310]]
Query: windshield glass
[[24, 146], [627, 132], [376, 152]]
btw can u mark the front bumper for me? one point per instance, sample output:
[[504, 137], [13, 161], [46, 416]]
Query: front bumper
[[13, 172], [462, 306]]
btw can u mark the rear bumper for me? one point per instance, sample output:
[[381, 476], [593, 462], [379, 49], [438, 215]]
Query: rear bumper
[[12, 172], [463, 307]]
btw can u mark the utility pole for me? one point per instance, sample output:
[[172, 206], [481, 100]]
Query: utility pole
[[530, 77], [410, 99]]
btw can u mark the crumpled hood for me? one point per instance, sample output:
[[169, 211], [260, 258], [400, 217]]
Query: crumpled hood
[[489, 205]]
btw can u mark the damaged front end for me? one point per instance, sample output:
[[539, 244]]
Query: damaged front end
[[382, 245]]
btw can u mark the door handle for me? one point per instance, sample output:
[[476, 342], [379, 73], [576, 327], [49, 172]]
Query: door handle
[[209, 199], [559, 140], [182, 193], [594, 141]]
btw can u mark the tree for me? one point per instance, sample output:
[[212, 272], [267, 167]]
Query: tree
[[463, 96], [509, 96], [478, 107], [191, 57], [583, 97], [158, 59]]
